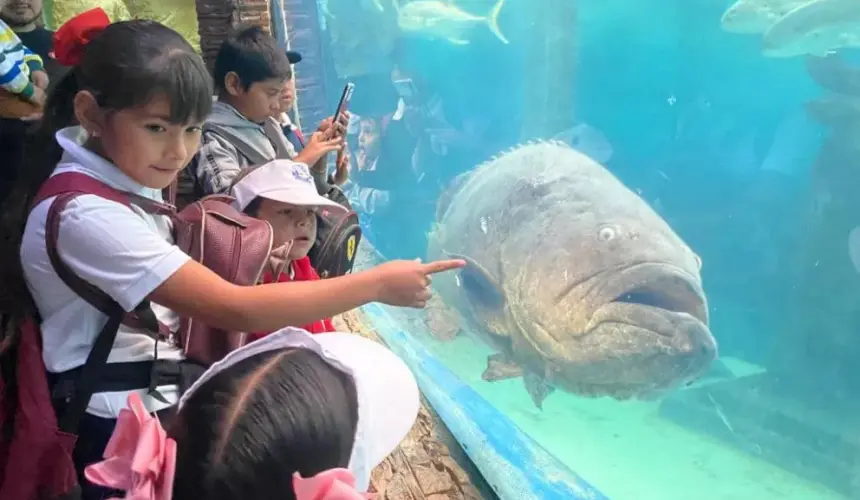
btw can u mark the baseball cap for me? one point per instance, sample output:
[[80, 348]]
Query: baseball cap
[[388, 397], [281, 180], [293, 56]]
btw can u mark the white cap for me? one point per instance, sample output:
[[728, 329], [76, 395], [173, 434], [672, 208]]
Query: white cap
[[388, 397], [281, 180]]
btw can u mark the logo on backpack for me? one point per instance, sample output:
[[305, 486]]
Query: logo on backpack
[[350, 248]]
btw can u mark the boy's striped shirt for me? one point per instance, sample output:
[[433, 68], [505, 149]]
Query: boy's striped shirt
[[16, 63]]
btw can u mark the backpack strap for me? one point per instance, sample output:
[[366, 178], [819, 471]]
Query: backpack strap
[[64, 188], [91, 372], [239, 141]]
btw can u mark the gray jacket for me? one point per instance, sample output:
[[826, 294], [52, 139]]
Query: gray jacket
[[230, 144]]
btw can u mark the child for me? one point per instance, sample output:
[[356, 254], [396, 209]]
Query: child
[[251, 72], [139, 94], [292, 416], [23, 76], [295, 139], [288, 100], [283, 194]]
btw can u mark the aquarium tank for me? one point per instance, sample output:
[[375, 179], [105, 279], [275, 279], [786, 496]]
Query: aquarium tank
[[658, 206], [658, 203]]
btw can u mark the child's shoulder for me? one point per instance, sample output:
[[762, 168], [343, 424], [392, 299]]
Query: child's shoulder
[[6, 33]]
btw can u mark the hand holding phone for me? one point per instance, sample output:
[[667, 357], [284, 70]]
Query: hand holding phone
[[340, 120]]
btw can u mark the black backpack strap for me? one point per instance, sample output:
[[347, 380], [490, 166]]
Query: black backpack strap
[[91, 372]]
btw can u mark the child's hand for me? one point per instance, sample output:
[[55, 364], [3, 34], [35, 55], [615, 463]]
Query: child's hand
[[38, 97], [406, 283], [317, 147], [341, 173], [40, 79], [333, 128]]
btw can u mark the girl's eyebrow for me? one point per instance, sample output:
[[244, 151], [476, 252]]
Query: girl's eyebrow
[[159, 116]]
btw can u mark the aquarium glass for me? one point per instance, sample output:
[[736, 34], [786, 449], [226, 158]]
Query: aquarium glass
[[737, 124]]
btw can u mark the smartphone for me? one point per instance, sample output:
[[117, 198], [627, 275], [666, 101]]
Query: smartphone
[[345, 97], [405, 88], [342, 107]]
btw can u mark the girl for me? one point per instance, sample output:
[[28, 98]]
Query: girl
[[292, 416], [140, 93]]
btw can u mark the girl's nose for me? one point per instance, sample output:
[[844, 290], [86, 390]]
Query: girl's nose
[[177, 150]]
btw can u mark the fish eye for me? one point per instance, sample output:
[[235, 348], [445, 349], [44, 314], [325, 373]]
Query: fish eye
[[606, 233], [698, 261]]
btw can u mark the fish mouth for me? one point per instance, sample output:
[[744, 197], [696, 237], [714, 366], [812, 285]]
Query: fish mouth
[[658, 286], [648, 336]]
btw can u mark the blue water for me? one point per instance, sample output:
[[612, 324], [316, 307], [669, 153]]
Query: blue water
[[717, 139]]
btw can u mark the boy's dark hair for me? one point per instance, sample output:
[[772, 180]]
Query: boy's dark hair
[[125, 66], [248, 429], [253, 55]]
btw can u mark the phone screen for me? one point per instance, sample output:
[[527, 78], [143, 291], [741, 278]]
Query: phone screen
[[405, 88]]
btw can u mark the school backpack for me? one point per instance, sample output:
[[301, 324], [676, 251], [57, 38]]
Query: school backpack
[[35, 445], [230, 243], [338, 235]]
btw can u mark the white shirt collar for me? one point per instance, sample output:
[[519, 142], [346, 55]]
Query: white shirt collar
[[78, 158]]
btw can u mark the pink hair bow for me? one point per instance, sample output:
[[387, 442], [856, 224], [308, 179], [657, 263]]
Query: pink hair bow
[[139, 459], [333, 484]]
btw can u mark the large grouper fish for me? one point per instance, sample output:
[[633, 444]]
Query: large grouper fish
[[571, 278]]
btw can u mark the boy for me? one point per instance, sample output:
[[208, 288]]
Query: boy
[[283, 193], [250, 73], [22, 75]]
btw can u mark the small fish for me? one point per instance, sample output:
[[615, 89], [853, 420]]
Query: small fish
[[445, 20], [587, 140], [854, 248]]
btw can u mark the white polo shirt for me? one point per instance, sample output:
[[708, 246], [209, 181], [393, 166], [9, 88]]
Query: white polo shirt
[[125, 253]]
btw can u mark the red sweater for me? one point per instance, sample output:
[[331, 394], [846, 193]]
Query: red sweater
[[303, 271]]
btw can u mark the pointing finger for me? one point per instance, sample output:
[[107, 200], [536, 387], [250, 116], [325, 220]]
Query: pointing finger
[[440, 266]]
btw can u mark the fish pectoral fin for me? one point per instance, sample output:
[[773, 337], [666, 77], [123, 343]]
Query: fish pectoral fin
[[538, 388], [500, 367], [480, 286], [458, 41]]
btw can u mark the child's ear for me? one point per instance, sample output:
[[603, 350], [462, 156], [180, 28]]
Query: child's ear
[[233, 84], [88, 113]]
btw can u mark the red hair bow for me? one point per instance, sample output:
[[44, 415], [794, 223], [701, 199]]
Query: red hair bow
[[71, 38]]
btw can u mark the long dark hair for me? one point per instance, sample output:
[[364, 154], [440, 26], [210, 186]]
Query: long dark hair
[[248, 429], [124, 66]]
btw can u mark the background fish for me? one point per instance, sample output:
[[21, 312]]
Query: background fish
[[438, 19], [817, 28], [571, 277], [756, 16]]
